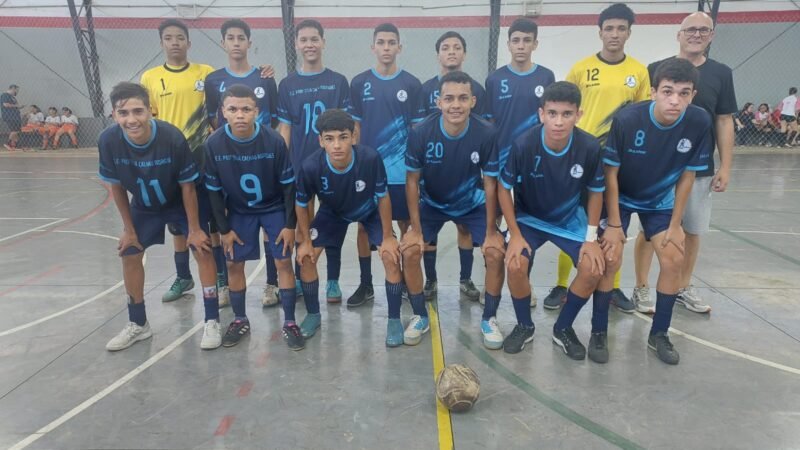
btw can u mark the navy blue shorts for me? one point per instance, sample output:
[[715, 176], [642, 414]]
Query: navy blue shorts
[[397, 194], [432, 221], [149, 225], [329, 230], [14, 124], [653, 222], [248, 226], [204, 206], [536, 238]]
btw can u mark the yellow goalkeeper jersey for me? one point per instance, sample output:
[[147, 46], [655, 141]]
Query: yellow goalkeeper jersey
[[177, 96], [605, 88]]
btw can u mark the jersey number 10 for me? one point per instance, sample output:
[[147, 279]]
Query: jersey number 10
[[312, 112]]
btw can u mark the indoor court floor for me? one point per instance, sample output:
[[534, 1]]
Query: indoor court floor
[[61, 299]]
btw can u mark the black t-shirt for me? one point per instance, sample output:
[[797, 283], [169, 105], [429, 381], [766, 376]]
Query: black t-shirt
[[715, 94], [9, 114]]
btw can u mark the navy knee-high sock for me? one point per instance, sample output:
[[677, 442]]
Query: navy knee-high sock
[[569, 311], [311, 296], [522, 309], [238, 304], [467, 259], [365, 263], [663, 315], [182, 265], [394, 298], [490, 305], [220, 262], [600, 311], [334, 258], [211, 303], [288, 300], [272, 270], [429, 260], [136, 312]]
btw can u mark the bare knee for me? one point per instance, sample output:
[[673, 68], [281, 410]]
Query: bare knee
[[412, 255], [391, 267]]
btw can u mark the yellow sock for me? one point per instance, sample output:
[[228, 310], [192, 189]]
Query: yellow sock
[[564, 267], [617, 279]]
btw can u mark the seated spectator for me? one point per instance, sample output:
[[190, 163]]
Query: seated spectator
[[51, 125], [746, 133], [69, 125], [766, 125], [35, 120]]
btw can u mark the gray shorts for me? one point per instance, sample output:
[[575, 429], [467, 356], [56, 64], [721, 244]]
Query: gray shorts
[[697, 216]]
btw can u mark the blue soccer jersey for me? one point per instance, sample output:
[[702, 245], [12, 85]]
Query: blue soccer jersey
[[513, 102], [303, 98], [251, 172], [651, 157], [548, 185], [151, 172], [386, 107], [351, 194], [265, 89], [451, 166], [430, 93]]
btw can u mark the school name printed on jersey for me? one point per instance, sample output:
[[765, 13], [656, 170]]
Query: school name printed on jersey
[[311, 90]]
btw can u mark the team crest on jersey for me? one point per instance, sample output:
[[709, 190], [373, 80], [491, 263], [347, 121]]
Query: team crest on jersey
[[314, 233], [576, 171], [259, 91], [684, 145], [402, 95], [475, 157], [199, 86], [630, 81], [539, 90], [360, 185]]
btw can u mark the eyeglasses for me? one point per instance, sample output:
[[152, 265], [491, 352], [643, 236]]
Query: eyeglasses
[[704, 31]]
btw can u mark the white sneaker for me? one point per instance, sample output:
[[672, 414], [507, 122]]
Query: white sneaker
[[417, 327], [492, 337], [271, 296], [131, 334], [212, 335], [224, 296], [641, 297], [533, 299], [688, 297]]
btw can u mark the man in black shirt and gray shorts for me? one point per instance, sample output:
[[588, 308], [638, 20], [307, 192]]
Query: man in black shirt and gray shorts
[[716, 95]]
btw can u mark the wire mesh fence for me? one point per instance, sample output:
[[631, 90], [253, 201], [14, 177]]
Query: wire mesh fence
[[760, 46]]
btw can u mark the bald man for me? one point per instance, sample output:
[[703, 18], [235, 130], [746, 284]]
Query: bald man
[[716, 95]]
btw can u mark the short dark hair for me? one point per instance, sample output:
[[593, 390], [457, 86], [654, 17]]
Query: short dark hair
[[53, 108], [792, 90], [66, 109], [455, 76], [238, 91], [386, 28], [172, 23], [309, 23], [37, 108], [335, 120], [561, 91], [617, 11], [126, 91], [524, 26], [678, 70], [448, 35], [234, 23], [13, 86]]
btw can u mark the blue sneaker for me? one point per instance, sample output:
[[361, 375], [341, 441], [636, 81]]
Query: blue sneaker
[[394, 333], [332, 292], [310, 325], [298, 288], [492, 336], [417, 327]]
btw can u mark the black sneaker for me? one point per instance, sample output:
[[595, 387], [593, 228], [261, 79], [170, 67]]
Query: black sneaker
[[598, 347], [362, 295], [568, 341], [556, 298], [622, 302], [293, 337], [430, 290], [515, 342], [659, 343], [236, 331]]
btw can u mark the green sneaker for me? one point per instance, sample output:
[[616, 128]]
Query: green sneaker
[[176, 291], [310, 325], [333, 292]]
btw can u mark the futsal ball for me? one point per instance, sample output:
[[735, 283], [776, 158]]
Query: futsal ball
[[458, 387]]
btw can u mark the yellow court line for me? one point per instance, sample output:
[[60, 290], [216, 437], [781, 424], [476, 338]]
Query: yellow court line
[[442, 414]]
